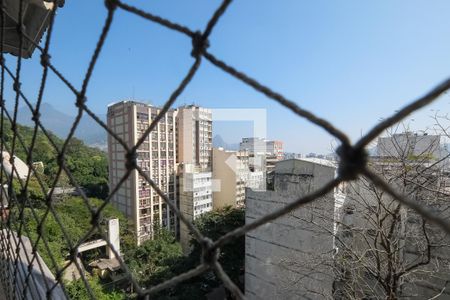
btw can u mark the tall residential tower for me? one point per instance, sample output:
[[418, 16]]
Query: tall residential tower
[[156, 156], [194, 158]]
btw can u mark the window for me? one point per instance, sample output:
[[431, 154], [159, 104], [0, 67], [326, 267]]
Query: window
[[349, 210], [141, 116]]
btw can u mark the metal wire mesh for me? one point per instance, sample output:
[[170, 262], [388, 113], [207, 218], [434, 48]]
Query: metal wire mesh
[[353, 159]]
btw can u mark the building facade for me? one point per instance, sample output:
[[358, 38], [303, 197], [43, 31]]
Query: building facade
[[195, 198], [260, 146], [275, 149], [194, 134], [409, 145], [253, 145], [194, 158], [231, 172], [263, 154], [156, 156], [257, 152]]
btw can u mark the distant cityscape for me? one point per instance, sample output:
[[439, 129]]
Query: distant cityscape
[[179, 155], [300, 172], [201, 175]]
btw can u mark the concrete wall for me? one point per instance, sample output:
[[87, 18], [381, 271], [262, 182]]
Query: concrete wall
[[291, 257], [408, 144]]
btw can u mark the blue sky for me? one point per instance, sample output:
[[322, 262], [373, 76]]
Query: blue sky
[[352, 62]]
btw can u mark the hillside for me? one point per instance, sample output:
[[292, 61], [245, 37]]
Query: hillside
[[88, 165]]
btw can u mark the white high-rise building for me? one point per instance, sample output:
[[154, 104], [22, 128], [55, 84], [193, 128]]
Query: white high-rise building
[[195, 197], [156, 156]]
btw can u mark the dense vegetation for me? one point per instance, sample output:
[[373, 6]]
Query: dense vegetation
[[69, 219], [89, 166], [74, 215], [77, 290], [161, 259], [151, 263], [213, 225]]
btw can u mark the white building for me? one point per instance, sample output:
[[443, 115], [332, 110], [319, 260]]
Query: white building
[[195, 198], [254, 145], [263, 154], [260, 146]]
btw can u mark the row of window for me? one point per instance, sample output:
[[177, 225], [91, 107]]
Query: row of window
[[204, 197], [202, 206], [144, 117]]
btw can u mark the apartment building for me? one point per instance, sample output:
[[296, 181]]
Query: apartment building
[[261, 146], [194, 158], [195, 198], [275, 149], [156, 156], [231, 171], [253, 145], [194, 127], [263, 154], [257, 152]]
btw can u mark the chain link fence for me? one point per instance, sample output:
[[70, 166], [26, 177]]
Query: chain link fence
[[18, 265]]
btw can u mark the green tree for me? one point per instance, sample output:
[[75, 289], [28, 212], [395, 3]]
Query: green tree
[[25, 221], [213, 224], [76, 290], [34, 192], [152, 262], [216, 224]]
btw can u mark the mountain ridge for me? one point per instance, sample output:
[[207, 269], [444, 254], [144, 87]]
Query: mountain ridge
[[60, 123], [218, 141]]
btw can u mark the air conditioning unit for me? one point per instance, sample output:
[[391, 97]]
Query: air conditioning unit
[[35, 20]]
